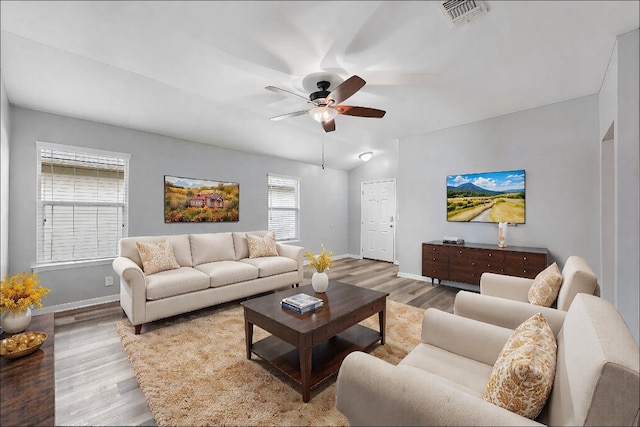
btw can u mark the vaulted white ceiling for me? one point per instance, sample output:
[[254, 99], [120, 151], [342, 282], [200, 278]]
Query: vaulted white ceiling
[[198, 70]]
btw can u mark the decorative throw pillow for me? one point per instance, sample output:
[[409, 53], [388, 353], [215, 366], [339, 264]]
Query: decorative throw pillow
[[156, 258], [545, 287], [523, 375], [262, 246]]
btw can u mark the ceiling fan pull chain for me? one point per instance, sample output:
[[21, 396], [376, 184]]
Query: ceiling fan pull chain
[[322, 151]]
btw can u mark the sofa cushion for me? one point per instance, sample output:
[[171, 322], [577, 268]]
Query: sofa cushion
[[262, 246], [211, 247], [545, 287], [175, 282], [227, 272], [523, 375], [240, 242], [157, 257], [270, 266], [179, 243]]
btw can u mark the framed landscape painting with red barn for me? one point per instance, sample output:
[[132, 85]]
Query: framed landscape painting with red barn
[[200, 200]]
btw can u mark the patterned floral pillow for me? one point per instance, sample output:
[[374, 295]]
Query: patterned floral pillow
[[545, 287], [262, 246], [156, 258], [523, 375]]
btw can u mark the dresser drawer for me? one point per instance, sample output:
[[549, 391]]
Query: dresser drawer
[[435, 271], [522, 270], [435, 250], [526, 258], [465, 275]]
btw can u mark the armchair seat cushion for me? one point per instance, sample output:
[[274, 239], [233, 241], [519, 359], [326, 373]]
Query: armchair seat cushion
[[463, 373]]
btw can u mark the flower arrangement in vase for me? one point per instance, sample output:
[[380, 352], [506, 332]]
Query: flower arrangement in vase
[[18, 294], [321, 262]]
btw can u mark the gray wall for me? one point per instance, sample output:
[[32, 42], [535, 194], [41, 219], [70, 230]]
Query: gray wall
[[619, 106], [324, 193], [385, 167], [4, 180], [557, 146]]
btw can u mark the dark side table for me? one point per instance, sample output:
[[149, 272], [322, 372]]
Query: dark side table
[[27, 385]]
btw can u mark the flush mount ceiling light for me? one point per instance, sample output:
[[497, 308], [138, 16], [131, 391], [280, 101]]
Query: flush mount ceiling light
[[323, 114], [366, 156]]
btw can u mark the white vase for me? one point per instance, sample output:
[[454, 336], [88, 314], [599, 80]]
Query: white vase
[[502, 235], [12, 323], [320, 282]]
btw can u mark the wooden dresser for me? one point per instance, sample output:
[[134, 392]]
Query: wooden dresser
[[27, 385], [465, 263]]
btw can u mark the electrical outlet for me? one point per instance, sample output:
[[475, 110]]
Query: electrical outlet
[[108, 280]]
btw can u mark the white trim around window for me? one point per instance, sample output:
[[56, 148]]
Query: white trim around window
[[82, 204], [283, 193]]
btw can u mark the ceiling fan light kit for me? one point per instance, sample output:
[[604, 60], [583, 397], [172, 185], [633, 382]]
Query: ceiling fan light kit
[[323, 114], [325, 104], [366, 156]]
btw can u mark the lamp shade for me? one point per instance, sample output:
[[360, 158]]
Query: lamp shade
[[323, 114]]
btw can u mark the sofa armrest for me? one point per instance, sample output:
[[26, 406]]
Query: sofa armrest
[[372, 392], [464, 336], [503, 312], [294, 252], [503, 286], [133, 293]]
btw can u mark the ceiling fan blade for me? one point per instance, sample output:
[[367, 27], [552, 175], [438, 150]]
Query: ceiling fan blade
[[286, 116], [329, 126], [349, 110], [346, 89], [279, 90]]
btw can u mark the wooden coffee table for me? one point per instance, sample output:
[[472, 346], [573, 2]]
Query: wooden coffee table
[[309, 348]]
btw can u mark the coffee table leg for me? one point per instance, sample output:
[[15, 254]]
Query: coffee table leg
[[305, 372], [382, 317], [248, 336]]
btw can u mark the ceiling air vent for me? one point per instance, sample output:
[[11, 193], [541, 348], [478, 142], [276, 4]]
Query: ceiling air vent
[[461, 11]]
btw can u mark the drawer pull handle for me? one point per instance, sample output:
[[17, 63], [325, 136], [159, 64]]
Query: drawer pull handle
[[434, 259], [473, 263], [433, 249], [460, 252], [489, 254], [525, 258]]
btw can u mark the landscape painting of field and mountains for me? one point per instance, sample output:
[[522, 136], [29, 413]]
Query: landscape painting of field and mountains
[[199, 200], [487, 197]]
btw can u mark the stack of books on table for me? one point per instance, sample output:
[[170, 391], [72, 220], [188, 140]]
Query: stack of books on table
[[301, 303]]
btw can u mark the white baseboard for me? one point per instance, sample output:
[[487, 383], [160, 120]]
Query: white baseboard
[[75, 304], [412, 276]]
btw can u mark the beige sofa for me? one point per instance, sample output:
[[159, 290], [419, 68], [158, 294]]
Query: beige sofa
[[213, 268], [441, 381]]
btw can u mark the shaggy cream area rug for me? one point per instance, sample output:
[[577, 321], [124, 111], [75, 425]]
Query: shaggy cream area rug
[[193, 370]]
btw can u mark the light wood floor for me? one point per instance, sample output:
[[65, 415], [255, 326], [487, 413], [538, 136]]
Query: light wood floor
[[95, 384]]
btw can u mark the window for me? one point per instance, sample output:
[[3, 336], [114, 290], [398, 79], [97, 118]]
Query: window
[[284, 206], [82, 203]]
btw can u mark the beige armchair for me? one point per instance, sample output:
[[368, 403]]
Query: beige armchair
[[577, 277], [441, 381]]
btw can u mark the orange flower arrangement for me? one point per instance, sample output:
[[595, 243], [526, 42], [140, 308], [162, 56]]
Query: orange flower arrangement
[[20, 292]]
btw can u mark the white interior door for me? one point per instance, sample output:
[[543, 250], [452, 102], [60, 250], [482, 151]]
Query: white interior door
[[378, 210]]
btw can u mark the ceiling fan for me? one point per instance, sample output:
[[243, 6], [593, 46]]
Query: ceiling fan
[[326, 105]]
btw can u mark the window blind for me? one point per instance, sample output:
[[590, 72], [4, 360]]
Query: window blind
[[82, 203], [284, 206]]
